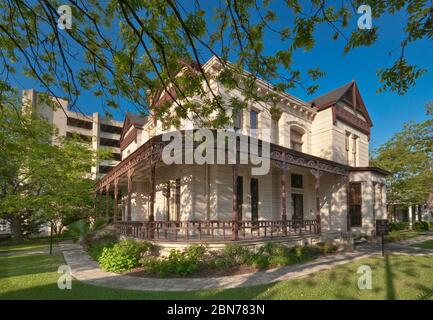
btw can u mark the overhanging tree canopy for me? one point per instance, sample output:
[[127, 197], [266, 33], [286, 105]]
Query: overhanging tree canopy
[[133, 50]]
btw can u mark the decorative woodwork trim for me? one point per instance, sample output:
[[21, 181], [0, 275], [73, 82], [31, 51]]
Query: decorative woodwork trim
[[128, 139], [349, 118], [150, 153]]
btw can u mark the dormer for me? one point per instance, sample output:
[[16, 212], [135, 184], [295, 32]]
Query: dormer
[[131, 133], [341, 129]]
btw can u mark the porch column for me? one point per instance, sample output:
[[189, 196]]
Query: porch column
[[152, 201], [235, 215], [283, 195], [116, 193], [129, 212], [410, 216], [317, 173], [107, 200], [374, 203]]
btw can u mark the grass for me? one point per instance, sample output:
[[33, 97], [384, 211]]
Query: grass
[[397, 277], [424, 245], [395, 236], [39, 243]]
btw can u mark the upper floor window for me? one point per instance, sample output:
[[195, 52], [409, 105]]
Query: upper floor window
[[254, 119], [354, 150], [296, 181], [237, 119], [296, 139], [347, 145]]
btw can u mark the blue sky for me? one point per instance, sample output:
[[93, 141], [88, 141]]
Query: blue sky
[[387, 110]]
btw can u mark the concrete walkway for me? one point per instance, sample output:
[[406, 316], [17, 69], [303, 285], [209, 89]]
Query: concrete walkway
[[87, 270]]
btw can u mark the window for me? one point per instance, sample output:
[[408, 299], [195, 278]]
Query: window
[[177, 200], [297, 181], [296, 140], [347, 145], [254, 116], [237, 119], [240, 196], [109, 142], [111, 129], [355, 139], [254, 186], [73, 122], [355, 202], [298, 206]]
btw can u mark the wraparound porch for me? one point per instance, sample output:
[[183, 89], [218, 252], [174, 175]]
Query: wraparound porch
[[148, 184]]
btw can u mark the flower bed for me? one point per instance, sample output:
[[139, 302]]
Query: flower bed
[[198, 260]]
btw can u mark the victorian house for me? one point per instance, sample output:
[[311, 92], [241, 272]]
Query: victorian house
[[319, 181]]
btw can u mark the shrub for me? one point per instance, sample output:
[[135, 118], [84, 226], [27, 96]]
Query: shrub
[[398, 226], [236, 254], [178, 262], [421, 226], [323, 247], [96, 247], [274, 249], [430, 223], [123, 256], [259, 261]]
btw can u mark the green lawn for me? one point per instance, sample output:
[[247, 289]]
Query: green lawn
[[397, 277], [395, 236], [40, 243], [425, 245]]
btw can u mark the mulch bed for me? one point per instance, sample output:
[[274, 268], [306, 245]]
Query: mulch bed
[[202, 273]]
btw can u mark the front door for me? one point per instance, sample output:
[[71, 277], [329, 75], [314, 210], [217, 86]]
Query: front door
[[254, 199], [298, 206], [240, 196]]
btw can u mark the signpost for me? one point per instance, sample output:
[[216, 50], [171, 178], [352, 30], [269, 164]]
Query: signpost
[[382, 229]]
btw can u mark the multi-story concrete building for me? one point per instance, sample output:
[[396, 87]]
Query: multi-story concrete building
[[99, 132]]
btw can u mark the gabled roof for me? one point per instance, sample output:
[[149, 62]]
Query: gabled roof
[[349, 94], [135, 120]]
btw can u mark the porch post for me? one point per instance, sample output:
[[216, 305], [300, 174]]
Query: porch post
[[410, 216], [152, 201], [346, 179], [374, 204], [317, 173], [129, 212], [235, 216], [116, 192], [107, 200], [283, 195]]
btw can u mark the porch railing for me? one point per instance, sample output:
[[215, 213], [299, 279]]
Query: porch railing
[[215, 230]]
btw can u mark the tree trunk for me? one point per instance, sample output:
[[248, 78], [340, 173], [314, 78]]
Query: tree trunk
[[16, 227]]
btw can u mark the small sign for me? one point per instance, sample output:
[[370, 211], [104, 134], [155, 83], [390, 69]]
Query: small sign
[[382, 227]]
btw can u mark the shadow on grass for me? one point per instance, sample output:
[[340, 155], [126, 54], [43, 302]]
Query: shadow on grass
[[390, 291]]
